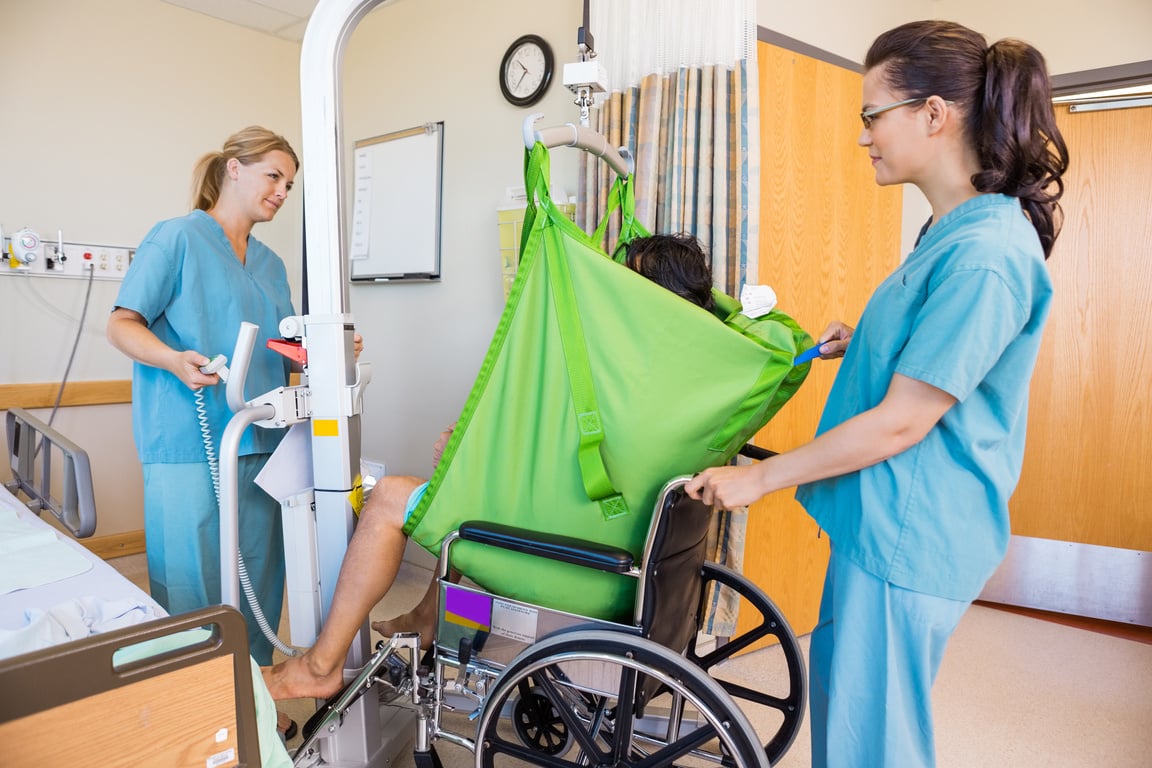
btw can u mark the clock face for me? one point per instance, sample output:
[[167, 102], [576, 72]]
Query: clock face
[[526, 70]]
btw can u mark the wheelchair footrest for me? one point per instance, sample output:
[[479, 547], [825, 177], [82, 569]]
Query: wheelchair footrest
[[331, 713], [427, 759]]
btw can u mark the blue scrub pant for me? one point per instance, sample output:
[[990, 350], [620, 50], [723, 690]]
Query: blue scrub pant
[[874, 655], [182, 533]]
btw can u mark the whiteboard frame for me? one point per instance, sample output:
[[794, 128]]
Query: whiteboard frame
[[375, 267]]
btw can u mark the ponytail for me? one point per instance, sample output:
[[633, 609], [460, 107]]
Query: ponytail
[[1021, 149], [207, 177]]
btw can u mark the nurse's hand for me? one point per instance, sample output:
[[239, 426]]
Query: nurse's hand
[[729, 487], [128, 331], [834, 341], [186, 367]]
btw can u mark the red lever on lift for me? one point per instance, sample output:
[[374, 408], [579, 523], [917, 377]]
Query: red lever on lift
[[293, 350]]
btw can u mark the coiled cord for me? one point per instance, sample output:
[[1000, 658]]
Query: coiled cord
[[245, 581]]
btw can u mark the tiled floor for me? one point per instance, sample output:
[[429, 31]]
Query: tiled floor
[[1014, 691]]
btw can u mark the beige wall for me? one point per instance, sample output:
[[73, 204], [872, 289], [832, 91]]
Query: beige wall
[[841, 27], [424, 61], [126, 100], [1072, 35], [107, 105]]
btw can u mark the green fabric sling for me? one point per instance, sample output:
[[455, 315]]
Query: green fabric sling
[[599, 386]]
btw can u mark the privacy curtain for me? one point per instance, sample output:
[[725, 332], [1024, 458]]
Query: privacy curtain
[[684, 101]]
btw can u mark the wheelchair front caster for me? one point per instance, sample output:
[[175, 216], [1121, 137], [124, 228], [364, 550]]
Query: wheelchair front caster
[[538, 725]]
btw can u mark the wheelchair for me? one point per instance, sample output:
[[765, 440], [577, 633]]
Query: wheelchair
[[520, 683]]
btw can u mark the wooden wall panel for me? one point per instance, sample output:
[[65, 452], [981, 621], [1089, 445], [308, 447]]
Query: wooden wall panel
[[75, 393], [828, 236], [1087, 464]]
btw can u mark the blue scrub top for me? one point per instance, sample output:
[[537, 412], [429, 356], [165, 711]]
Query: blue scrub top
[[187, 283], [963, 313]]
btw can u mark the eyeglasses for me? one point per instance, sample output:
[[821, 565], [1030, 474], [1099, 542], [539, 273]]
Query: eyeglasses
[[868, 115]]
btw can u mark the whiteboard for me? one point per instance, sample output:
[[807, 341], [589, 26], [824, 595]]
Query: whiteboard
[[396, 206]]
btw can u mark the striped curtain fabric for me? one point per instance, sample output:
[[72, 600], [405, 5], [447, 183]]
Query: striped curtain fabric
[[696, 170], [694, 134]]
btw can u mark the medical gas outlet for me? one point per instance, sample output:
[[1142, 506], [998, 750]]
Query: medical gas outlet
[[26, 254]]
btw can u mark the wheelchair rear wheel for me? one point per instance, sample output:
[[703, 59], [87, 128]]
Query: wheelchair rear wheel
[[594, 684], [778, 707]]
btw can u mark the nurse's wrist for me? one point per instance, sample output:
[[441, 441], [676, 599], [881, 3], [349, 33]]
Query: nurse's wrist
[[767, 476]]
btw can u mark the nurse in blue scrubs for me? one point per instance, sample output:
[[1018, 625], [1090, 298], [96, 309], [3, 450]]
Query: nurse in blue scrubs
[[922, 438], [193, 281]]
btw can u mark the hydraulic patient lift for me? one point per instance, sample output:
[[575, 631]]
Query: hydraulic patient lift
[[579, 685]]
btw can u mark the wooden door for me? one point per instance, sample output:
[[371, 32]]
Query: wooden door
[[828, 236], [1088, 462]]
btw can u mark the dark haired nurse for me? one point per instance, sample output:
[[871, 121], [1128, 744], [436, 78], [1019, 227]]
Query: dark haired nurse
[[922, 438]]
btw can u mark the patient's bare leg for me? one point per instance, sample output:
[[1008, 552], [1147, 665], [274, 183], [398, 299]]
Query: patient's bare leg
[[368, 570], [422, 618]]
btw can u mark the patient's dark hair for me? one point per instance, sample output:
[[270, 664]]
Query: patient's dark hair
[[676, 262]]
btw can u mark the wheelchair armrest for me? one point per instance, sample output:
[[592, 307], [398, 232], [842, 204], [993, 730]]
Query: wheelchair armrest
[[755, 452], [563, 548]]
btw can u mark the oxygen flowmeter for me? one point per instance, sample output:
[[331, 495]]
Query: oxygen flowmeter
[[23, 248]]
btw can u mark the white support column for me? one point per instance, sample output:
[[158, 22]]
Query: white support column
[[328, 332]]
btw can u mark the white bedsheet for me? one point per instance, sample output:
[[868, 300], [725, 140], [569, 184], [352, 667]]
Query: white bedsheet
[[95, 599], [97, 581], [32, 555]]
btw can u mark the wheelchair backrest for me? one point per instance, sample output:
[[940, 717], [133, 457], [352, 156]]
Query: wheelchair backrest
[[668, 601]]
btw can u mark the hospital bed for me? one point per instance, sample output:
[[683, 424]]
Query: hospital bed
[[93, 671], [42, 567]]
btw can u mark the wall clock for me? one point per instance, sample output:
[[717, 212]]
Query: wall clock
[[526, 70]]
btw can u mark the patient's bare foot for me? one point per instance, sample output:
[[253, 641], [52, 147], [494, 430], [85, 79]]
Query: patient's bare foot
[[297, 679], [420, 619]]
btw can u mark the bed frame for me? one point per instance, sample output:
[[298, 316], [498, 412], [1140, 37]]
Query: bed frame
[[140, 696]]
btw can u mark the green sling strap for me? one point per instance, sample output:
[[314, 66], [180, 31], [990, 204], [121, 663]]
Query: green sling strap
[[597, 484]]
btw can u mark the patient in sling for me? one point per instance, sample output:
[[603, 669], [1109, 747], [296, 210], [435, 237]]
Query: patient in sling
[[676, 262]]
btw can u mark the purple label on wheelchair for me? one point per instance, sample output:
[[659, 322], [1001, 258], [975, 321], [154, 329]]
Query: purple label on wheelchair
[[467, 608], [485, 613]]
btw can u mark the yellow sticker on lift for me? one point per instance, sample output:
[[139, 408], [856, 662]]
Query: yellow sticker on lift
[[325, 427], [356, 495]]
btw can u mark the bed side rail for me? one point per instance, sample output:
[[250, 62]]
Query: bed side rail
[[34, 449]]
